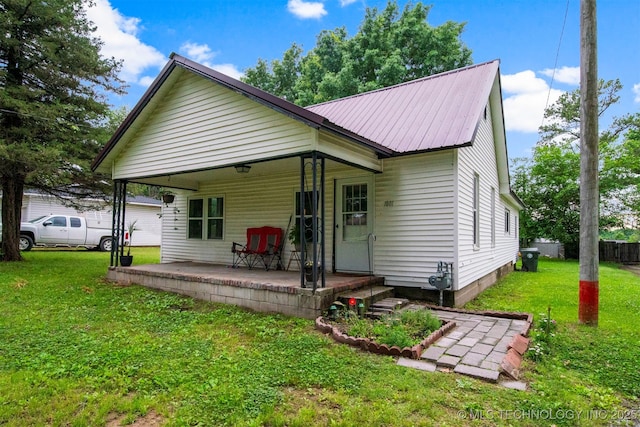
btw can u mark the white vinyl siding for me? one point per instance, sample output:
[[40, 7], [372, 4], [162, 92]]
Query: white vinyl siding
[[249, 201], [199, 124], [476, 261], [414, 218]]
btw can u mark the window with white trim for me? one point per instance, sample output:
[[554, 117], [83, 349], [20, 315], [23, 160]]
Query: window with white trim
[[507, 221], [206, 221], [476, 210], [493, 217]]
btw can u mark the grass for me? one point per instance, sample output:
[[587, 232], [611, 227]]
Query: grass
[[76, 350]]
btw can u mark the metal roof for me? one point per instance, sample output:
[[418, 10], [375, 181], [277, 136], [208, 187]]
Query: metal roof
[[431, 113]]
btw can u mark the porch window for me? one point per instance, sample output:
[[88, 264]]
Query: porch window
[[207, 222], [215, 217], [476, 210]]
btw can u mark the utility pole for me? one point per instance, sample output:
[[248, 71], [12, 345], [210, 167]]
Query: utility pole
[[589, 192]]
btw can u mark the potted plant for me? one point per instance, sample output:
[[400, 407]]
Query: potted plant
[[308, 271], [127, 260], [168, 198], [294, 235]]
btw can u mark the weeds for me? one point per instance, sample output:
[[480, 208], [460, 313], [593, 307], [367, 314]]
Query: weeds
[[542, 336], [403, 329]]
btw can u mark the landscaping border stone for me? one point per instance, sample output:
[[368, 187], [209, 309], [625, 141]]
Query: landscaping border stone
[[366, 344]]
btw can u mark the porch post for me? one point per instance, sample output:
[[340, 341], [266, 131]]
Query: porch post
[[322, 225], [123, 198], [314, 217], [301, 229], [115, 220]]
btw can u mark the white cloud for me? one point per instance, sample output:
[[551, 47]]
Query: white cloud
[[344, 3], [198, 52], [568, 75], [120, 36], [203, 54], [524, 108], [146, 81], [636, 91], [229, 69], [306, 9]]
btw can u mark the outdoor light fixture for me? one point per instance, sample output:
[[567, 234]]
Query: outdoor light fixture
[[243, 168]]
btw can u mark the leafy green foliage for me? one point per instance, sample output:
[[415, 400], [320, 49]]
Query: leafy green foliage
[[549, 182], [542, 336], [403, 329], [53, 86], [389, 48]]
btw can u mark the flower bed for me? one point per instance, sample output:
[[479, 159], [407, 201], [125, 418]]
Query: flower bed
[[366, 344]]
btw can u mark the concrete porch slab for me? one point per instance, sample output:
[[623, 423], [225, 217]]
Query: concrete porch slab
[[266, 291]]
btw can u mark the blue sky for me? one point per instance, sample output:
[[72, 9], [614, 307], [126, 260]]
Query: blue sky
[[230, 36]]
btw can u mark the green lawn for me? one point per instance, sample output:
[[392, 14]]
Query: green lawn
[[76, 350]]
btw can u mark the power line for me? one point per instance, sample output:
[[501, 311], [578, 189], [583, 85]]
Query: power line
[[555, 64]]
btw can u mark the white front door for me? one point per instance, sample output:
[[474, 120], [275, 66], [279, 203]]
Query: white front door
[[354, 224]]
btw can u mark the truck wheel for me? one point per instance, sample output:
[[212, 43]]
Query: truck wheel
[[106, 244], [26, 243]]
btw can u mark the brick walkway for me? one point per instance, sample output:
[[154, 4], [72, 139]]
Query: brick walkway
[[478, 346]]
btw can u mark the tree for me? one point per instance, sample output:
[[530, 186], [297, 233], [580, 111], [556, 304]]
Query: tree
[[549, 182], [389, 48], [53, 109]]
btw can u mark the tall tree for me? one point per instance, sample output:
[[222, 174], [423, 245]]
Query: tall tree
[[53, 86], [389, 48], [549, 182]]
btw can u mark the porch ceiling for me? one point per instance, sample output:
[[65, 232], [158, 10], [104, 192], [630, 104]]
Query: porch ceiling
[[192, 180]]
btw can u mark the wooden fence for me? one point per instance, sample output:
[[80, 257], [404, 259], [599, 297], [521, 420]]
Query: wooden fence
[[625, 253]]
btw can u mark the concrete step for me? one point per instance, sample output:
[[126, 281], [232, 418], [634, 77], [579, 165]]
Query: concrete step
[[368, 295], [387, 306]]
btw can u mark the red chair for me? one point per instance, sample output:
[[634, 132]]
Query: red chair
[[264, 245]]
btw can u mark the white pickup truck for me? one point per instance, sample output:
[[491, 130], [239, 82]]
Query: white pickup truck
[[65, 230]]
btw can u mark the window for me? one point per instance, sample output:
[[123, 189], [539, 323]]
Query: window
[[215, 218], [507, 219], [75, 222], [476, 210], [308, 211], [354, 212], [59, 221], [493, 217], [209, 222], [308, 203]]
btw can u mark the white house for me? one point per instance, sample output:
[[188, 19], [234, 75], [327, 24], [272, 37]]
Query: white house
[[145, 210], [405, 176]]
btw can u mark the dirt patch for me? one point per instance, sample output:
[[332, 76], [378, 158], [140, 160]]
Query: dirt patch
[[152, 419]]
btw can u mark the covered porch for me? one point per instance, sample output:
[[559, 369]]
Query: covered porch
[[273, 291]]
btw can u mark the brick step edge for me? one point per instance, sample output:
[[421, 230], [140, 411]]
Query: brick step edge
[[366, 344]]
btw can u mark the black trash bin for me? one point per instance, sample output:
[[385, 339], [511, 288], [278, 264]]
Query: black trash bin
[[530, 259]]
